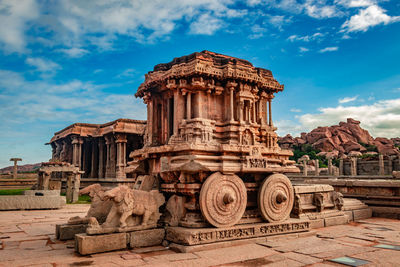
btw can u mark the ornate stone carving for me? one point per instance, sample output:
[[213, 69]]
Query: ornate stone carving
[[131, 210], [99, 207], [223, 199], [275, 198]]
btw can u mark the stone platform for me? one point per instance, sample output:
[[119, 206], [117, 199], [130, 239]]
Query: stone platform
[[90, 244], [197, 236], [32, 200], [27, 238]]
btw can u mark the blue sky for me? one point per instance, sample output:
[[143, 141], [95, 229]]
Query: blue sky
[[81, 61]]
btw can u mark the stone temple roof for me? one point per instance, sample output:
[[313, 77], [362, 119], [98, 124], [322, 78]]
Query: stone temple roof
[[213, 65]]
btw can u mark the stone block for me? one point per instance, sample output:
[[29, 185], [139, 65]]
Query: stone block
[[42, 193], [197, 236], [349, 214], [30, 202], [343, 219], [90, 244], [68, 231], [318, 223], [362, 214], [146, 238]]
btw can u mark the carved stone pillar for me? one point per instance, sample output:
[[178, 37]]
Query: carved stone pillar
[[305, 171], [46, 180], [198, 107], [176, 111], [241, 107], [353, 166], [148, 101], [254, 111], [101, 158], [94, 166], [270, 111], [112, 157], [76, 150], [341, 167], [188, 105], [330, 169], [231, 87], [108, 161], [381, 165], [120, 140], [316, 163]]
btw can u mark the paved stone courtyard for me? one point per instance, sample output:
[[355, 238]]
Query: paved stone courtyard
[[27, 239]]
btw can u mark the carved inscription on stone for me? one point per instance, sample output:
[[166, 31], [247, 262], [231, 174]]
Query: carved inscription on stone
[[210, 235]]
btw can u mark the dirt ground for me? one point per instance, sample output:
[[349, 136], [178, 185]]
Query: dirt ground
[[27, 239]]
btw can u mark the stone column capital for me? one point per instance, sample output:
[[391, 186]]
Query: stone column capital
[[120, 138]]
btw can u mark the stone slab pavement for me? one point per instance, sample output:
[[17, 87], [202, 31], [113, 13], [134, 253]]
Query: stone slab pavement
[[27, 239]]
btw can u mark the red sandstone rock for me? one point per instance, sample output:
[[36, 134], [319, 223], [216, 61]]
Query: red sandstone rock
[[343, 138]]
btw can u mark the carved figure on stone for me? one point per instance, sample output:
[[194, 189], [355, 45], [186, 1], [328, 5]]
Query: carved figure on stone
[[337, 199], [319, 201], [99, 207], [247, 138], [135, 203]]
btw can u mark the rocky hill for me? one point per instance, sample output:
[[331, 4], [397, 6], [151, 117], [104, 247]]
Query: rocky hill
[[339, 140], [21, 168]]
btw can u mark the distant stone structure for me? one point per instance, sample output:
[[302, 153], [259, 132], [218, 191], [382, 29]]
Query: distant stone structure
[[99, 150], [15, 169]]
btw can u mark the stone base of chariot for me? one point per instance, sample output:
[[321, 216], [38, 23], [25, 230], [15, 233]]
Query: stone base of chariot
[[90, 244], [356, 209], [194, 239]]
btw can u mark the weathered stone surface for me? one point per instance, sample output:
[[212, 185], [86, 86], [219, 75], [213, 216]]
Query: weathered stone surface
[[343, 219], [68, 231], [362, 214], [146, 238], [317, 223], [42, 193], [85, 244], [132, 210], [396, 174], [28, 202], [99, 207], [340, 139], [197, 236]]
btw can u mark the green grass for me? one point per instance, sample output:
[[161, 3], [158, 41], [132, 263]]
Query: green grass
[[4, 192], [84, 199]]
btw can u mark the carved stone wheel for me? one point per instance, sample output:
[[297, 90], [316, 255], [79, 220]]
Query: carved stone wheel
[[275, 198], [223, 199]]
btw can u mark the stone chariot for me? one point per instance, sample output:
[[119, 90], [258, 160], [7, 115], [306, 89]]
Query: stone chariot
[[211, 142]]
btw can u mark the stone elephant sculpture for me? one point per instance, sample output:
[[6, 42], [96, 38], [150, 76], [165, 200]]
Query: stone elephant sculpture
[[136, 203], [99, 208]]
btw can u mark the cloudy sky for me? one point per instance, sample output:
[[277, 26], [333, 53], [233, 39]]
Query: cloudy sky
[[81, 61]]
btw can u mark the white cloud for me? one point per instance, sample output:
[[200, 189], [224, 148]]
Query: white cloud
[[306, 38], [73, 101], [329, 49], [321, 10], [74, 52], [368, 17], [278, 21], [128, 73], [45, 66], [206, 25], [355, 3], [381, 118], [303, 49], [297, 110], [14, 19], [257, 31], [347, 99]]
